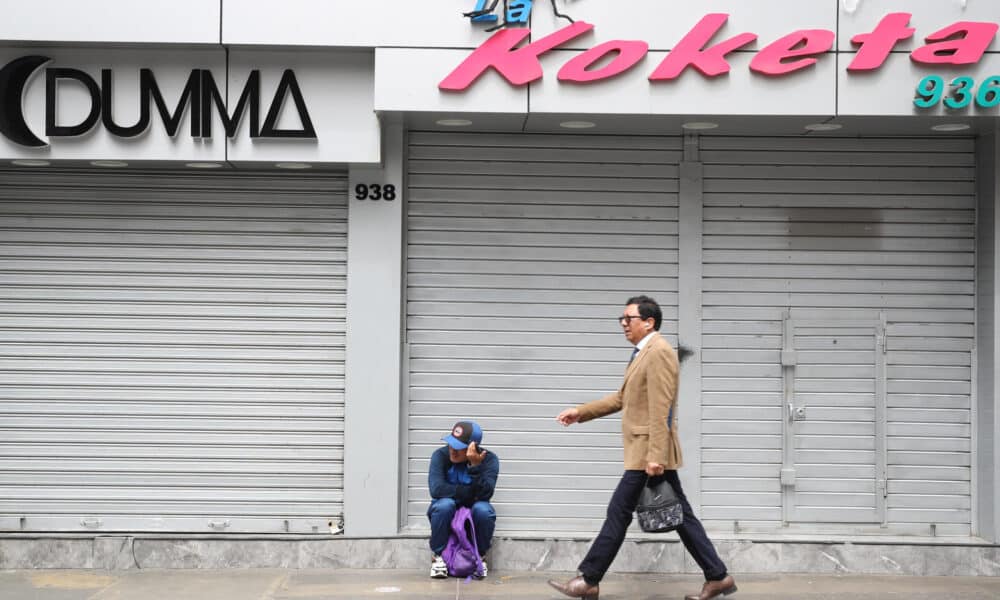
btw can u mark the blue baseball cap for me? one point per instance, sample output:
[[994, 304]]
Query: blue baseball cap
[[464, 433]]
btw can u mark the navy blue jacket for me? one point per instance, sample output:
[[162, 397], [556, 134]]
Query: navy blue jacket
[[484, 479]]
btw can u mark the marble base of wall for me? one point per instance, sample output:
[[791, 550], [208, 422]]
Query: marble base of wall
[[638, 556]]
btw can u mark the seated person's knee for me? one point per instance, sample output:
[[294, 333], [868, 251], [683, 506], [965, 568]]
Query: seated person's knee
[[483, 510], [444, 505]]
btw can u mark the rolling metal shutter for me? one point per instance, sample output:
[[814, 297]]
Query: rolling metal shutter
[[521, 252], [171, 351], [810, 246]]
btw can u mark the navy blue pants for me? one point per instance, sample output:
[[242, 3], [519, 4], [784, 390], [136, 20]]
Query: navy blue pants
[[442, 510], [620, 508]]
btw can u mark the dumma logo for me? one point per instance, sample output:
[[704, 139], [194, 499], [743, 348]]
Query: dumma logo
[[13, 79], [201, 98], [516, 12]]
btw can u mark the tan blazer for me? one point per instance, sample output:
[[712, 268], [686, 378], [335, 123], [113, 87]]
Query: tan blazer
[[645, 398]]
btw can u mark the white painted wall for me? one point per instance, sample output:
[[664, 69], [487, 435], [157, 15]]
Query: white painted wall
[[338, 88], [663, 24], [374, 348], [112, 21], [416, 46], [370, 23], [440, 24], [891, 89], [407, 80], [861, 16]]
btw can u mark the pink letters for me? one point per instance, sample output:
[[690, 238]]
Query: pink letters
[[964, 50], [628, 54], [691, 51], [961, 43], [519, 66], [876, 46], [809, 42]]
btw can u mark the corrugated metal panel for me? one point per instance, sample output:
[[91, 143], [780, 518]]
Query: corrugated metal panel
[[171, 351], [839, 229], [521, 252], [834, 430]]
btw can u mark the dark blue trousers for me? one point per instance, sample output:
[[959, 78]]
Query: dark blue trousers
[[442, 510], [620, 508]]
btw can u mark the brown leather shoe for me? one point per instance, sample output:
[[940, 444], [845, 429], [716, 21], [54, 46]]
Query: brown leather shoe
[[577, 588], [711, 589]]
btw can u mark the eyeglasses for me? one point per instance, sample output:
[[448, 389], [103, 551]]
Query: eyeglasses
[[627, 319]]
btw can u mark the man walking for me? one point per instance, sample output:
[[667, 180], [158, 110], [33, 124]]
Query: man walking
[[461, 474], [648, 401]]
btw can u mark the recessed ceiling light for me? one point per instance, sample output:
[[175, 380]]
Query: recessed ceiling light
[[30, 162], [203, 165], [453, 122], [823, 126], [698, 125], [111, 164], [293, 165], [577, 124], [951, 127]]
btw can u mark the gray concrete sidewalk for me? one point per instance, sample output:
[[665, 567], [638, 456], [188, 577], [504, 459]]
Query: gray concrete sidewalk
[[285, 584]]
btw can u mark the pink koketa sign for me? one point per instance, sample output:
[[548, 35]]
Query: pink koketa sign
[[961, 43]]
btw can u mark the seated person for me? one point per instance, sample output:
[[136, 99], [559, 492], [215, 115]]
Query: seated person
[[461, 474]]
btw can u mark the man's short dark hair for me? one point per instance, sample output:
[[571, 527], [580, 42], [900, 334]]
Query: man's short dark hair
[[647, 308]]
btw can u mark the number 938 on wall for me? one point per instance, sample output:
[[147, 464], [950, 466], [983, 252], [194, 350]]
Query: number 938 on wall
[[959, 93], [375, 191]]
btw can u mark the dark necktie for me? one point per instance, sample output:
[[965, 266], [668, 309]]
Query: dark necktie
[[634, 352]]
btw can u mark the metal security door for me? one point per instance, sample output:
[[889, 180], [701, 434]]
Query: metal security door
[[838, 229], [521, 250], [834, 467], [171, 351]]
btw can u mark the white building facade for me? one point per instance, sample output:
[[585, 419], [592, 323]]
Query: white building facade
[[256, 259]]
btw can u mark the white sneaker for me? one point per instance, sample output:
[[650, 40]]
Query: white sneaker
[[439, 570], [485, 572]]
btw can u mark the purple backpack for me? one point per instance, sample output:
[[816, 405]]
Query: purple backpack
[[461, 554]]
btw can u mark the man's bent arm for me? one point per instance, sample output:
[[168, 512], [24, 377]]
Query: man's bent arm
[[485, 477], [437, 478], [611, 403]]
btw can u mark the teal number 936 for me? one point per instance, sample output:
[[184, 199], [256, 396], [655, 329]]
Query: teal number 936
[[958, 94]]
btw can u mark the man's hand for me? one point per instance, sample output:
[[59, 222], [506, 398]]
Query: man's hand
[[654, 469], [474, 456], [569, 416]]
